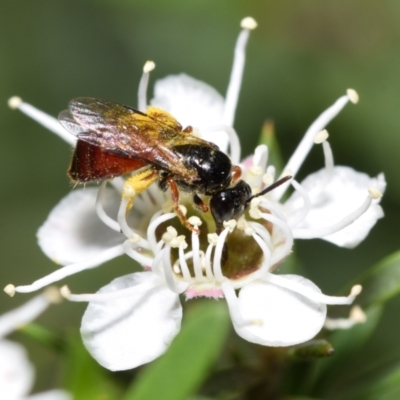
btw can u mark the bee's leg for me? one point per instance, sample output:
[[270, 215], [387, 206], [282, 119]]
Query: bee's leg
[[236, 174], [137, 183], [175, 201], [200, 203]]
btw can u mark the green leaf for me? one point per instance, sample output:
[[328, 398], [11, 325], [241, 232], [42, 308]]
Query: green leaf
[[268, 137], [347, 343], [181, 370], [86, 379], [43, 336], [381, 282], [387, 387]]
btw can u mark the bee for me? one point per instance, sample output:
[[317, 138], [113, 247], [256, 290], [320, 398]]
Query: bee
[[115, 139]]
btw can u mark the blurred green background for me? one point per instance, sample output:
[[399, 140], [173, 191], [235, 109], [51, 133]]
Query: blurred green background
[[301, 58]]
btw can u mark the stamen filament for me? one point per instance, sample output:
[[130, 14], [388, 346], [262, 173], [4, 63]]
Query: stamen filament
[[44, 119], [139, 258], [144, 81], [183, 264], [111, 223], [91, 262], [305, 145], [22, 315], [209, 273], [301, 216], [196, 256], [314, 296], [235, 80], [168, 271], [317, 233], [218, 254], [124, 227], [151, 230], [329, 162]]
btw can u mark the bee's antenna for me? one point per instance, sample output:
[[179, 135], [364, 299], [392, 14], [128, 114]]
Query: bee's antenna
[[279, 182]]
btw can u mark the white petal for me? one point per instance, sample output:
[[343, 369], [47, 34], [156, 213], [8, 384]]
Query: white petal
[[192, 102], [16, 372], [345, 191], [55, 394], [281, 317], [73, 232], [127, 332]]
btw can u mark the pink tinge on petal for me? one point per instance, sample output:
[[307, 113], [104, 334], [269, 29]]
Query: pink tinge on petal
[[211, 293], [247, 162]]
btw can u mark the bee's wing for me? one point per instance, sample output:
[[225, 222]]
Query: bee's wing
[[124, 131]]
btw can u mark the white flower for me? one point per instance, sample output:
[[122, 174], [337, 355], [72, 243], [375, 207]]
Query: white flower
[[16, 372], [133, 319]]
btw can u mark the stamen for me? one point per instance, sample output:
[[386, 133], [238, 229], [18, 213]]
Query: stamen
[[184, 267], [196, 256], [104, 297], [235, 81], [321, 136], [375, 193], [123, 223], [300, 217], [168, 271], [309, 293], [29, 311], [329, 230], [285, 250], [233, 140], [100, 209], [328, 155], [91, 262], [353, 96], [151, 230], [42, 118], [144, 81], [260, 157], [139, 258], [357, 316], [307, 142], [218, 254], [209, 273], [234, 308]]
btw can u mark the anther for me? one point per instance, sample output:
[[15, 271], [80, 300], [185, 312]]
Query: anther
[[65, 292], [249, 231], [178, 242], [10, 290], [355, 290], [357, 315], [149, 66], [255, 170], [248, 23], [183, 209], [230, 225], [135, 238], [374, 192], [14, 102], [212, 239], [53, 294], [268, 179], [321, 136], [195, 221], [128, 191], [353, 96]]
